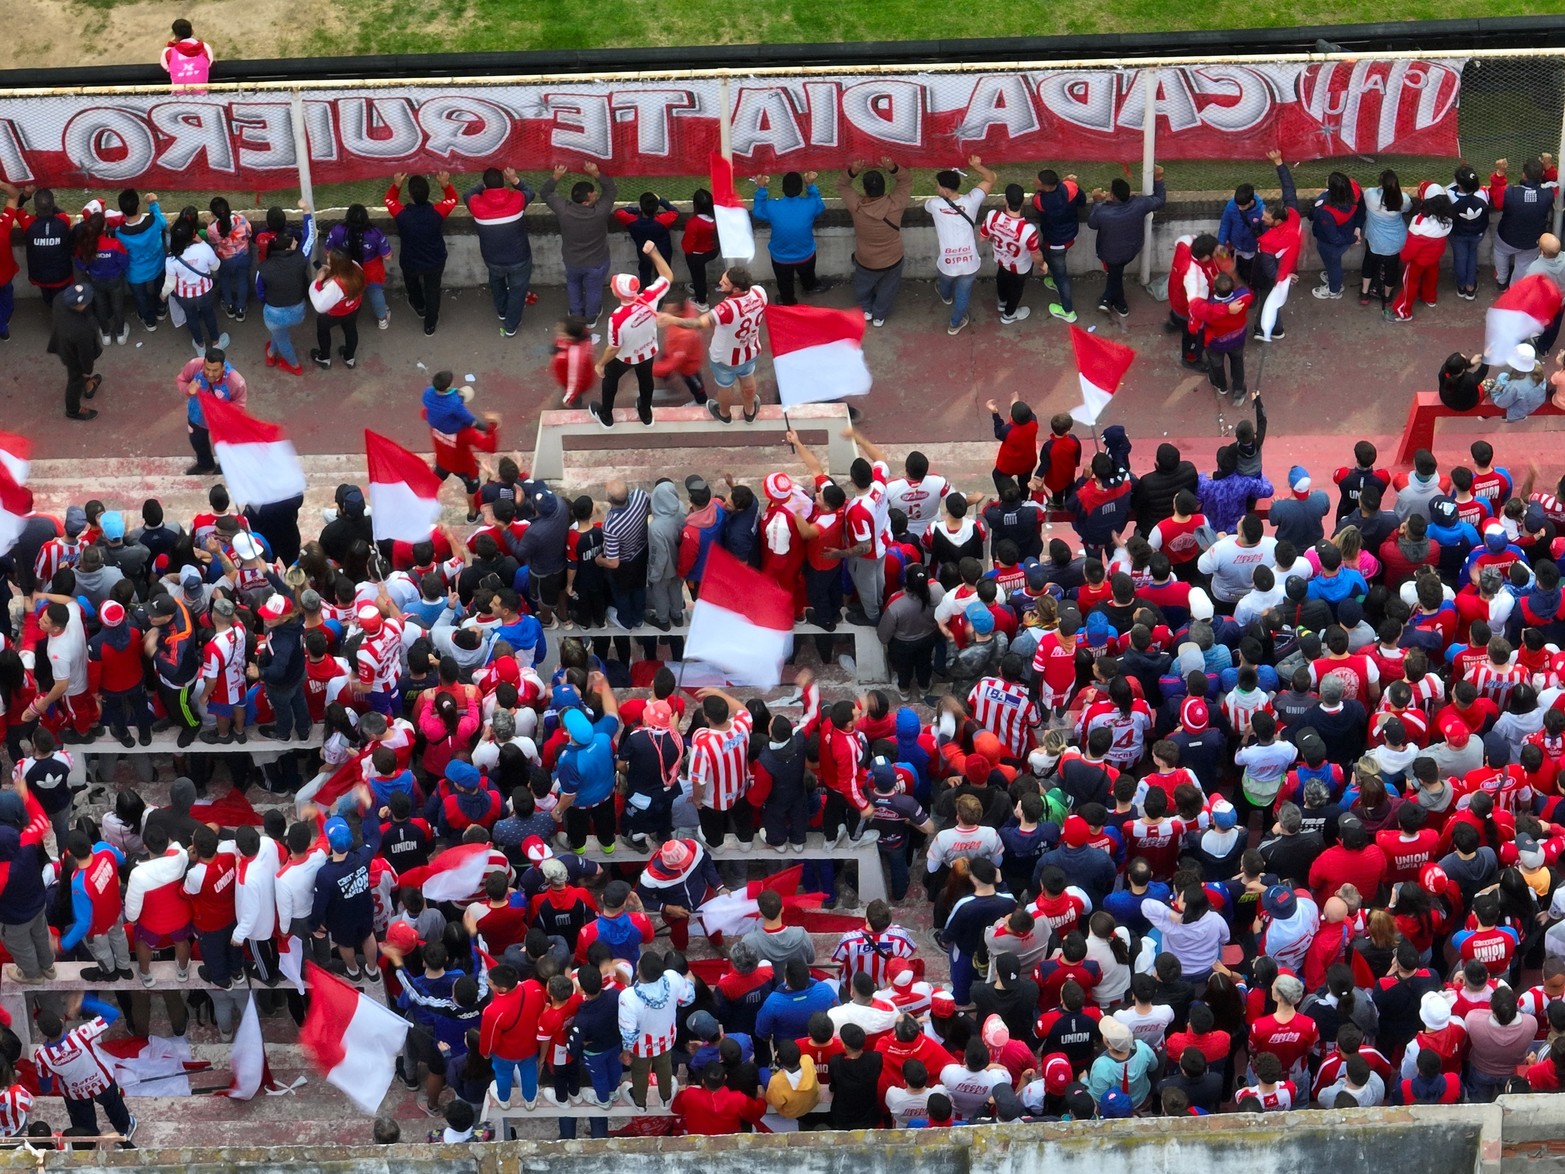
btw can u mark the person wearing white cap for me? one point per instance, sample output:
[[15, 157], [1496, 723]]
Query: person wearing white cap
[[633, 338], [1519, 387], [1126, 1064], [1421, 253], [1442, 1034]]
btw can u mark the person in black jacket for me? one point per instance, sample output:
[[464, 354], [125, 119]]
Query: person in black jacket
[[421, 228], [349, 526], [48, 246], [1461, 381], [281, 666], [74, 339], [1152, 499]]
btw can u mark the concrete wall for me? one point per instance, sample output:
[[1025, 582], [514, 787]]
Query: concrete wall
[[1457, 1140]]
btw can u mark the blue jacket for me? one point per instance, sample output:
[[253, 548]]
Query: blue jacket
[[1119, 226], [1239, 228], [1524, 215], [793, 223], [1058, 219], [1331, 226], [786, 1014], [144, 242], [587, 772]]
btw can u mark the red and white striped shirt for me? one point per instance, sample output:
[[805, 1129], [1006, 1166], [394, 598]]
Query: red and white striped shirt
[[54, 554], [1006, 710], [380, 657], [1496, 681], [190, 273], [633, 328], [736, 337], [79, 1072], [719, 762], [14, 1105], [860, 951], [223, 663], [1015, 240], [1128, 729]]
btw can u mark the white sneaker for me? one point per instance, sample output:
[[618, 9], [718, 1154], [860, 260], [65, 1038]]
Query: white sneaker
[[867, 315], [876, 321], [105, 338], [868, 837], [743, 845], [1021, 312], [798, 849], [385, 323], [848, 664], [124, 334], [552, 1097]]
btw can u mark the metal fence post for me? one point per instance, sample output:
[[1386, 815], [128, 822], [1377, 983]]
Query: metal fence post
[[1559, 193], [301, 150], [1148, 162], [725, 120]]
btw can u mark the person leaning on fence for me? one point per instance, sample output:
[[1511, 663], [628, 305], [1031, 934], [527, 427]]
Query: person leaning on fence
[[1058, 203], [421, 229], [1118, 218], [584, 237], [499, 208], [877, 235], [955, 217], [791, 244]]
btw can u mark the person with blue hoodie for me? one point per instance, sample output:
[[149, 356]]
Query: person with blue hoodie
[[911, 753], [1240, 228], [586, 772], [792, 241], [141, 235], [1058, 203]]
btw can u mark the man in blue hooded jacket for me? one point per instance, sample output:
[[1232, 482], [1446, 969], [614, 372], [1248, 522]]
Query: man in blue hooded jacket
[[586, 771]]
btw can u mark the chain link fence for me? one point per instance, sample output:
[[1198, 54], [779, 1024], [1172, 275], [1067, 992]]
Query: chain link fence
[[1216, 120]]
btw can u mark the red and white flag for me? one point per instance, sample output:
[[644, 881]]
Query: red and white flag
[[454, 874], [16, 502], [404, 494], [16, 454], [1518, 314], [817, 353], [247, 1060], [259, 463], [742, 623], [735, 237], [352, 1039], [1101, 364], [290, 961]]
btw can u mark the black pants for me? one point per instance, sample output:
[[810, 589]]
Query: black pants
[[1001, 480], [912, 660], [75, 385], [201, 445], [1214, 368], [1114, 287], [84, 1116], [176, 703], [697, 263], [1191, 349], [599, 819], [423, 286], [1008, 288], [123, 710], [350, 334], [612, 374], [835, 814], [823, 591], [786, 271], [786, 819], [739, 819], [1551, 332]]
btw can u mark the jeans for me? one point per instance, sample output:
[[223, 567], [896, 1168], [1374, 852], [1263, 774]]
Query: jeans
[[222, 958], [525, 1073], [1464, 260], [375, 295], [875, 290], [959, 290], [145, 294], [786, 821], [1114, 287], [630, 603], [584, 290], [1331, 262], [1056, 260], [423, 290], [290, 707], [108, 305], [786, 271], [201, 315], [233, 281], [508, 286], [7, 307], [281, 320], [894, 861], [350, 334], [697, 263], [604, 1070]]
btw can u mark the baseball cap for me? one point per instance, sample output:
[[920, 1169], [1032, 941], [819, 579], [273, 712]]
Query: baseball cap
[[1279, 902], [1224, 816], [1115, 1104], [275, 607], [979, 618], [112, 523], [625, 286], [577, 726], [536, 849], [703, 1025], [112, 614], [1298, 478], [462, 774], [900, 973], [245, 546], [402, 937], [1007, 967], [338, 834], [1114, 1032], [75, 520], [1057, 1073], [77, 295], [162, 607], [1528, 854], [554, 871], [695, 483], [884, 776]]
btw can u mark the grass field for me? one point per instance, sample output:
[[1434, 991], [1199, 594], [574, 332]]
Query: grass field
[[395, 26]]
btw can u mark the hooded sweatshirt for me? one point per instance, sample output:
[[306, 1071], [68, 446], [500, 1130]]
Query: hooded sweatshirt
[[668, 519], [143, 240], [22, 859], [542, 548], [647, 1011], [1415, 496], [695, 539], [1153, 498]]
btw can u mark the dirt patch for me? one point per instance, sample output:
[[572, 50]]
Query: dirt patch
[[57, 33]]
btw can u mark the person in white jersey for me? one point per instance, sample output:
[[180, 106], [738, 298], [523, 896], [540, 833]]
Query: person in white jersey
[[735, 323], [633, 338], [956, 234], [1017, 248]]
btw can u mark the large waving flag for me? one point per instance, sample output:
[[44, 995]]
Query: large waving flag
[[742, 623], [16, 454], [817, 353], [16, 502], [735, 237], [456, 873], [351, 1038], [1101, 364], [404, 494], [247, 1061], [259, 462], [1519, 313]]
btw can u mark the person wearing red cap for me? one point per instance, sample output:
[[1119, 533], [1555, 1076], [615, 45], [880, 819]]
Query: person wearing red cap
[[632, 339], [379, 658], [650, 757], [116, 671], [676, 882]]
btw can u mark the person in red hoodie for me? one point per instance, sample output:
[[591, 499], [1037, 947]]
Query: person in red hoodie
[[1352, 860], [572, 361], [211, 884], [1018, 437], [1426, 237], [115, 672], [508, 1034], [1224, 318], [682, 353], [1059, 458], [714, 1109]]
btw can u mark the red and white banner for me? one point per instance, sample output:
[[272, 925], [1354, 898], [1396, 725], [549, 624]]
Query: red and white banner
[[1234, 111]]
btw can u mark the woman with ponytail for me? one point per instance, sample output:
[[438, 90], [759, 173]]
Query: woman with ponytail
[[228, 232], [368, 246], [337, 293], [189, 278], [102, 262]]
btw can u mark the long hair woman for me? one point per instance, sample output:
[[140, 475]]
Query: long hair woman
[[337, 293]]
